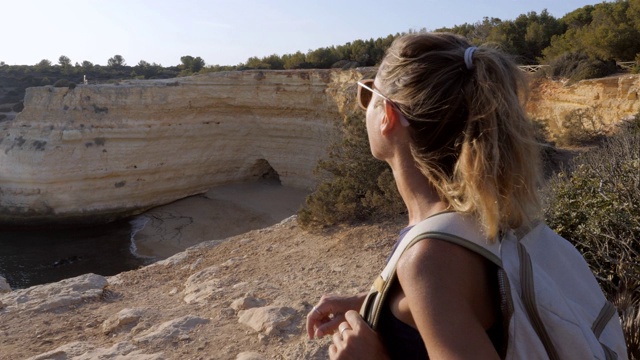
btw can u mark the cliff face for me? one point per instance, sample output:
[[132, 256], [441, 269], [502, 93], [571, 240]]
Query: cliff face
[[98, 152], [596, 104]]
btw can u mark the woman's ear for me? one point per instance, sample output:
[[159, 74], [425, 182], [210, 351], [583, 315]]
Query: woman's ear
[[392, 118]]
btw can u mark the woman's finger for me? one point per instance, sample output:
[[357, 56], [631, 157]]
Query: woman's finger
[[354, 320], [333, 351], [329, 326], [315, 317], [344, 326], [337, 340]]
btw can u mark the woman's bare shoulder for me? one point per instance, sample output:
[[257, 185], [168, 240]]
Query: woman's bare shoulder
[[445, 276]]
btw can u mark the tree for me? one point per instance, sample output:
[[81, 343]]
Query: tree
[[256, 63], [322, 58], [147, 70], [191, 65], [116, 61], [578, 18], [275, 62], [608, 30], [87, 64], [295, 61], [64, 61], [44, 64], [478, 32]]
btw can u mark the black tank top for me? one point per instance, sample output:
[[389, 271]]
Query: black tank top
[[403, 341]]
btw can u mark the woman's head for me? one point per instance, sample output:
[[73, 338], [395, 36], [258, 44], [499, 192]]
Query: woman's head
[[470, 135]]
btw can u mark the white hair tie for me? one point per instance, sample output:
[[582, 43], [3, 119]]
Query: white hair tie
[[468, 56]]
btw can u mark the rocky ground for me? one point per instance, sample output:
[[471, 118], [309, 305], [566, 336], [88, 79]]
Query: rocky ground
[[245, 297]]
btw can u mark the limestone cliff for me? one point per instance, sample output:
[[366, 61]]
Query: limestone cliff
[[596, 104], [98, 152]]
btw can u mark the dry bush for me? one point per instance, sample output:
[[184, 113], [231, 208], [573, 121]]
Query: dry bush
[[580, 128], [628, 304], [595, 204]]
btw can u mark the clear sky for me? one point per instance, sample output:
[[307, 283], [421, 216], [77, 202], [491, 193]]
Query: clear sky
[[226, 32]]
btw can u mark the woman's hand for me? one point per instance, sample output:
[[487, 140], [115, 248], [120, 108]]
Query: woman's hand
[[356, 340], [325, 317]]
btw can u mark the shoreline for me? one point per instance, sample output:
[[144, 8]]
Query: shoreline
[[245, 297], [222, 212]]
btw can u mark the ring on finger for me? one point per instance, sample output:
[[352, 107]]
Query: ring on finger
[[315, 308], [343, 330]]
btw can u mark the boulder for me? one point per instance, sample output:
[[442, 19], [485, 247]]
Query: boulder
[[125, 319], [250, 355], [201, 286], [268, 319], [85, 351], [4, 286], [177, 329], [246, 302], [59, 295]]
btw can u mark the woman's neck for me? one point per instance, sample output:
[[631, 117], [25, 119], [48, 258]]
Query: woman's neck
[[419, 196]]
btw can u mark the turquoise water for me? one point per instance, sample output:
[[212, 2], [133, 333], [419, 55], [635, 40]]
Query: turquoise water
[[36, 256]]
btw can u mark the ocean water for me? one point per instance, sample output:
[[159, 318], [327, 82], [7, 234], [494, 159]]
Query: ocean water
[[42, 255], [37, 256]]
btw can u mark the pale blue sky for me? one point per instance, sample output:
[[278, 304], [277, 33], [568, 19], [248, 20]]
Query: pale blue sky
[[226, 32]]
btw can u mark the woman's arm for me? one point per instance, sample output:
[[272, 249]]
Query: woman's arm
[[449, 296]]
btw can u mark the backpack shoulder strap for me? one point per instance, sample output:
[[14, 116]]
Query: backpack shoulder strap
[[453, 227]]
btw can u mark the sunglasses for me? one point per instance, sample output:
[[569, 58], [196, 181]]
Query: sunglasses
[[365, 94]]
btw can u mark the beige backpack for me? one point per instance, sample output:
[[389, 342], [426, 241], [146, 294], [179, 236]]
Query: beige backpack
[[555, 307]]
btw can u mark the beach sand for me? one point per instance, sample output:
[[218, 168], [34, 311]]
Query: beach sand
[[221, 212]]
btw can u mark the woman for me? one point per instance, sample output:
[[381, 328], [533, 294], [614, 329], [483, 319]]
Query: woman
[[446, 117]]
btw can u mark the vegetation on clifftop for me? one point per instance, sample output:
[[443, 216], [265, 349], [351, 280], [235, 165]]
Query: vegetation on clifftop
[[584, 43]]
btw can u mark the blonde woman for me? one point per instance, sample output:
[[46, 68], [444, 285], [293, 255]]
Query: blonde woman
[[446, 116]]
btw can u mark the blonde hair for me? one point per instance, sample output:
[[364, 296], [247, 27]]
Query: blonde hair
[[470, 135]]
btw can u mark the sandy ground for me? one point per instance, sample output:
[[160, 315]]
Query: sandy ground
[[222, 212], [282, 265]]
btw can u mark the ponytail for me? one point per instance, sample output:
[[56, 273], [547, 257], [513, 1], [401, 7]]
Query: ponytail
[[470, 135]]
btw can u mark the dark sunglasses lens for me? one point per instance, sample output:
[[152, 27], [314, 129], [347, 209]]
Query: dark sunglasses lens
[[365, 96]]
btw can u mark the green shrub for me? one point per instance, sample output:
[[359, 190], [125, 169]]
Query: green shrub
[[354, 185], [596, 205], [62, 83], [578, 66], [65, 83]]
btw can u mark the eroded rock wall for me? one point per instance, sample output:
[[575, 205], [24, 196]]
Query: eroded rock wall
[[98, 152], [597, 104]]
